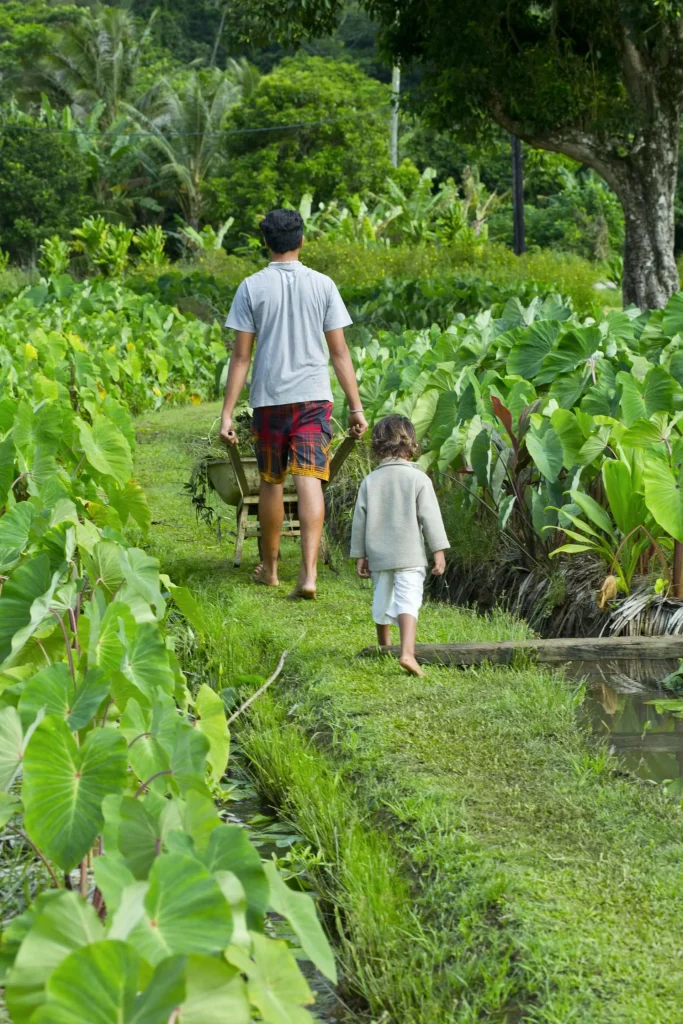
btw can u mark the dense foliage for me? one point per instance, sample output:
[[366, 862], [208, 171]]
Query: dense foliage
[[566, 430], [109, 765], [339, 144], [43, 183]]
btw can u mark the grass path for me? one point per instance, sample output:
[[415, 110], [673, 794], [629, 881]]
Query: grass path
[[484, 861]]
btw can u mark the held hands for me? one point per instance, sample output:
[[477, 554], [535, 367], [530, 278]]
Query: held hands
[[362, 568], [439, 564], [357, 424], [227, 433]]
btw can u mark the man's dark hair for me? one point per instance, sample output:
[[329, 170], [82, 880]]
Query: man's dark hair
[[282, 230]]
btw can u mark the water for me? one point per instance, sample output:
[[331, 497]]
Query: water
[[271, 836], [618, 704]]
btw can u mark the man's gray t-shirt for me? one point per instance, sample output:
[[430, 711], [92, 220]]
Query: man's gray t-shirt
[[289, 307]]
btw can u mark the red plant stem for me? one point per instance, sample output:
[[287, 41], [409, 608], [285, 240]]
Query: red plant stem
[[106, 712], [74, 630], [67, 642], [42, 856], [140, 737], [143, 787]]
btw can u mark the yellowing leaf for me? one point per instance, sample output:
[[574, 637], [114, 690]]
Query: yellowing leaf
[[196, 399], [29, 351]]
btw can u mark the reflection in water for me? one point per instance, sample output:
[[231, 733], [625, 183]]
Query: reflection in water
[[618, 696]]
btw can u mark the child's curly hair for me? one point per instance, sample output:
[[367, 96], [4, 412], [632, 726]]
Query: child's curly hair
[[394, 437]]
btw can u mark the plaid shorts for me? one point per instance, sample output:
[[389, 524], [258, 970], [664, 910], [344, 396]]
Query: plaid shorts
[[293, 438]]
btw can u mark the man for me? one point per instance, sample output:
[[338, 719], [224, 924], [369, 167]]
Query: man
[[289, 307]]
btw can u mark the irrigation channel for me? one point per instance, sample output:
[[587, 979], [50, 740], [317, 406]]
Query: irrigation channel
[[620, 706]]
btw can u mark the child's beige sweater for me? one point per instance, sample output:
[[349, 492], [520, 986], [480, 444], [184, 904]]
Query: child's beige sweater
[[396, 514]]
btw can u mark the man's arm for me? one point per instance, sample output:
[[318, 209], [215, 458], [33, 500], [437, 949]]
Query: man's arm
[[346, 375], [240, 361]]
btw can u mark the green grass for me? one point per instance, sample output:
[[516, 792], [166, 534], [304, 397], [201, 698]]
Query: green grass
[[484, 860]]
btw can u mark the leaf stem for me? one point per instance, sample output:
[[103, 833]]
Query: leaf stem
[[140, 737], [42, 856], [143, 787], [67, 642]]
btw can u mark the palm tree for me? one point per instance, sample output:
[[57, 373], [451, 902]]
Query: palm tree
[[94, 61], [184, 117]]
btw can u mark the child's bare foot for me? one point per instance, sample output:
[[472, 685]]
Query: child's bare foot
[[267, 579], [409, 663]]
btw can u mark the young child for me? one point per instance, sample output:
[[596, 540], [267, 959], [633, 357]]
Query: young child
[[396, 513]]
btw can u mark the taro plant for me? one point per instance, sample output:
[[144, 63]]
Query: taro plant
[[157, 907], [563, 429]]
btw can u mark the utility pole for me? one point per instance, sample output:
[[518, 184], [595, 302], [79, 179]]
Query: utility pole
[[519, 243], [395, 97]]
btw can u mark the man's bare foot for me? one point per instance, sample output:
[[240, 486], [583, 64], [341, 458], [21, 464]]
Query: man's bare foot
[[265, 578], [302, 593], [408, 662]]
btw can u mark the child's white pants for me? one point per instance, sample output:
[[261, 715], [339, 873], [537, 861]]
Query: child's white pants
[[397, 592]]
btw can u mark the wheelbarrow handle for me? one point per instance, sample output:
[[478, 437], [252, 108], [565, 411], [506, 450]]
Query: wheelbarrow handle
[[341, 455], [238, 469]]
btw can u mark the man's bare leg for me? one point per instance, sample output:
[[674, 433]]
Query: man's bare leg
[[383, 635], [408, 627], [312, 518], [271, 512]]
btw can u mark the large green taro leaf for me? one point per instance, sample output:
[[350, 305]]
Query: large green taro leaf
[[24, 604], [299, 909], [184, 911], [530, 347], [11, 746], [212, 723], [104, 983], [15, 529], [229, 849], [131, 503], [145, 661], [106, 449], [64, 787], [144, 730], [215, 993], [7, 466], [664, 497], [547, 453], [53, 689], [63, 923], [275, 984]]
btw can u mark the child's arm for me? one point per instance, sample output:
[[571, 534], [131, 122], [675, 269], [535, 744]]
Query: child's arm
[[433, 530], [358, 533]]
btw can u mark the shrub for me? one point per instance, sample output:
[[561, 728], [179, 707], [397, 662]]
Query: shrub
[[43, 185]]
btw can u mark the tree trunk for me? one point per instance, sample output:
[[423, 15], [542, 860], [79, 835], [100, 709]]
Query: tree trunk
[[646, 186]]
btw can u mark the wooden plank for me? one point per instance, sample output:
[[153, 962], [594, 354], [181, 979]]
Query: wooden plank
[[553, 652], [653, 742]]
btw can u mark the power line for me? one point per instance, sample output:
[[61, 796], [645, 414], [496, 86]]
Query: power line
[[168, 134]]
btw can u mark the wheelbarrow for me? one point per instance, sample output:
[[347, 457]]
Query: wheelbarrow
[[237, 482]]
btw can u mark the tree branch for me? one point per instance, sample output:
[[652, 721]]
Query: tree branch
[[261, 689], [581, 146]]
